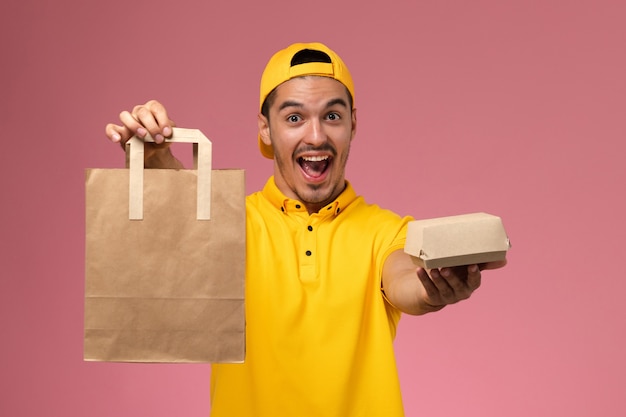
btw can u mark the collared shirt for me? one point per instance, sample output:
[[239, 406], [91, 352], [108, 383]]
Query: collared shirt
[[319, 334]]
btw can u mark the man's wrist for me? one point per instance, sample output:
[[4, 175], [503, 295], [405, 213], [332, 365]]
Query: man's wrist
[[162, 158]]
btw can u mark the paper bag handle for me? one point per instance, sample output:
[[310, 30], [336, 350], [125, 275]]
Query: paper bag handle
[[202, 154]]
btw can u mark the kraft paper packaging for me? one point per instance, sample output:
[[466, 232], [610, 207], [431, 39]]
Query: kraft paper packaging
[[464, 239], [165, 260]]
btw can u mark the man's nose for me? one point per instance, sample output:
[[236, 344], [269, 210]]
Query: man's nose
[[315, 134]]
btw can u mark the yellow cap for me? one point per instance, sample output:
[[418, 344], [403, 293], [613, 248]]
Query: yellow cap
[[283, 67]]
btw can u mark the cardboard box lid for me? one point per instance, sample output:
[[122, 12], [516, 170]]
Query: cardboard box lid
[[457, 240]]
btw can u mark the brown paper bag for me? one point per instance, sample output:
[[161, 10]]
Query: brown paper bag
[[165, 260]]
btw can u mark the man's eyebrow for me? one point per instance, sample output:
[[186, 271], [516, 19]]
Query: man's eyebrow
[[292, 103], [339, 101], [289, 103]]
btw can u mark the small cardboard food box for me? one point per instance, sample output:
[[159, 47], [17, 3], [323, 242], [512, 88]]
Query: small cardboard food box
[[465, 239]]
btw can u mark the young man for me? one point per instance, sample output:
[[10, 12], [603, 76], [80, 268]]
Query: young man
[[327, 277]]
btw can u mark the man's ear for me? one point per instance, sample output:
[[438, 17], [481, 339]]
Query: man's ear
[[353, 124], [264, 129]]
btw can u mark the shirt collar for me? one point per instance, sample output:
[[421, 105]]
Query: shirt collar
[[287, 205]]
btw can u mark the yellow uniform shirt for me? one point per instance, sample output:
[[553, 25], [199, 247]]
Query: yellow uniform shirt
[[319, 334]]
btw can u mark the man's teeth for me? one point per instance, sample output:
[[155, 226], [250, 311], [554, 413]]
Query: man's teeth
[[314, 158]]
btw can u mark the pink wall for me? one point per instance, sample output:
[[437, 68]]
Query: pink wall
[[514, 108]]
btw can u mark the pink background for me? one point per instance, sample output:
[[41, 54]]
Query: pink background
[[514, 108]]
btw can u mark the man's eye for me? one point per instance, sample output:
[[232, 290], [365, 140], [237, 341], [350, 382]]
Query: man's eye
[[333, 116], [294, 118]]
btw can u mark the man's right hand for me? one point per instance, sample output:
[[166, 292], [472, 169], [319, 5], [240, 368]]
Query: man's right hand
[[152, 118]]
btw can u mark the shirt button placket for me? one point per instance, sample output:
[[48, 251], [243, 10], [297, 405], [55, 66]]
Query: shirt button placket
[[309, 240], [309, 267]]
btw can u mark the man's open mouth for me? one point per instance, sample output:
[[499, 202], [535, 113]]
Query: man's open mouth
[[314, 166]]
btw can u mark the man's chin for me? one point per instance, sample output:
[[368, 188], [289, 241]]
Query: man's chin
[[319, 193]]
